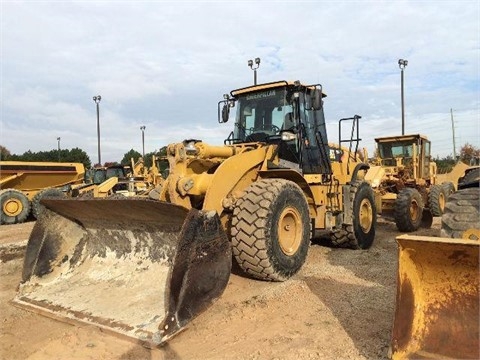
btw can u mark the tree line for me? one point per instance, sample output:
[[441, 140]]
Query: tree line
[[75, 155], [469, 154]]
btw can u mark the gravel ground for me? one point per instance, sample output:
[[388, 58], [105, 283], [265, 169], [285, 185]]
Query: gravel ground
[[340, 305]]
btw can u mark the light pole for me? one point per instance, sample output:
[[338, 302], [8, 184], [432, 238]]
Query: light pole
[[97, 102], [257, 63], [143, 140], [58, 147], [402, 63]]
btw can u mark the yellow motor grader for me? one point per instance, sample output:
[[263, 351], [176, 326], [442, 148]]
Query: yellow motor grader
[[144, 268], [404, 179]]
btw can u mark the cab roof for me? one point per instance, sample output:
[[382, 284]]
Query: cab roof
[[401, 138], [272, 85]]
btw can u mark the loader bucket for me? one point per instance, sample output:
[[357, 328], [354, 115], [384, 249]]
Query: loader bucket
[[437, 304], [138, 267]]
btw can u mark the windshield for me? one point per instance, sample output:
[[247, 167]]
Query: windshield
[[115, 172], [395, 150], [262, 112]]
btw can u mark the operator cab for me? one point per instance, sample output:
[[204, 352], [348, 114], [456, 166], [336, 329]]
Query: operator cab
[[288, 114], [406, 151]]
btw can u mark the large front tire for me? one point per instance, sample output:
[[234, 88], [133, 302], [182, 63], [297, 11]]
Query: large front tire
[[271, 229], [461, 218], [408, 210], [14, 206], [361, 233]]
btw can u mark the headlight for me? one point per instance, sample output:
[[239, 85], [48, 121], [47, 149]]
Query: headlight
[[288, 136]]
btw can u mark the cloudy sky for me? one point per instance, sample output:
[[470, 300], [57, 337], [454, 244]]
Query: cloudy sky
[[166, 64]]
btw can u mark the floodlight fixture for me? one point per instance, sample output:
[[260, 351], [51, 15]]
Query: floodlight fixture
[[254, 68]]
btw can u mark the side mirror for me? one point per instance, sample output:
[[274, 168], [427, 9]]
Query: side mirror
[[225, 112], [317, 99]]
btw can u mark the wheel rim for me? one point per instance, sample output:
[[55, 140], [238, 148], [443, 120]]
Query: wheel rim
[[12, 207], [441, 201], [365, 215], [289, 231], [414, 210]]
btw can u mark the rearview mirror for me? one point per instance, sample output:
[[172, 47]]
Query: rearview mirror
[[225, 112]]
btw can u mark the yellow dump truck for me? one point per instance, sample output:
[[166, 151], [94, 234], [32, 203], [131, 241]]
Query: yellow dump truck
[[24, 184], [145, 268]]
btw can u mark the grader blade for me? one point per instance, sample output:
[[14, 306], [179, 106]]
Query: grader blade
[[437, 305], [137, 267]]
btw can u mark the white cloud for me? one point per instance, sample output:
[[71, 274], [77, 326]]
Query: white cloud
[[166, 65]]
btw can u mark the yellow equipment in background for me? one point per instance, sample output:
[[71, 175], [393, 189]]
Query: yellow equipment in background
[[405, 182], [23, 184]]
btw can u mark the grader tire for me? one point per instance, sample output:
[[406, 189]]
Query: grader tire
[[437, 197], [461, 214], [408, 210], [361, 233], [14, 206], [51, 193], [271, 230], [449, 188]]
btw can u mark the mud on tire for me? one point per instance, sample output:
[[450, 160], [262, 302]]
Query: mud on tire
[[271, 229], [408, 210], [361, 233], [461, 213]]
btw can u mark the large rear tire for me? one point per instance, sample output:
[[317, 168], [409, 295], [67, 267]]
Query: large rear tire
[[14, 206], [408, 210], [51, 193], [437, 197], [361, 233], [461, 215], [271, 229]]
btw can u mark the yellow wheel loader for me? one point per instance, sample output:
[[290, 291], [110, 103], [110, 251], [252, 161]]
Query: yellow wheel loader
[[144, 268], [437, 303]]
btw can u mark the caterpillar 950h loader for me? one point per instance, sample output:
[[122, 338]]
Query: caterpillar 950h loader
[[144, 268]]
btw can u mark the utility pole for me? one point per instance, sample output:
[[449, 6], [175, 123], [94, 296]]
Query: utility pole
[[143, 141], [402, 63], [58, 148], [453, 134], [97, 102]]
